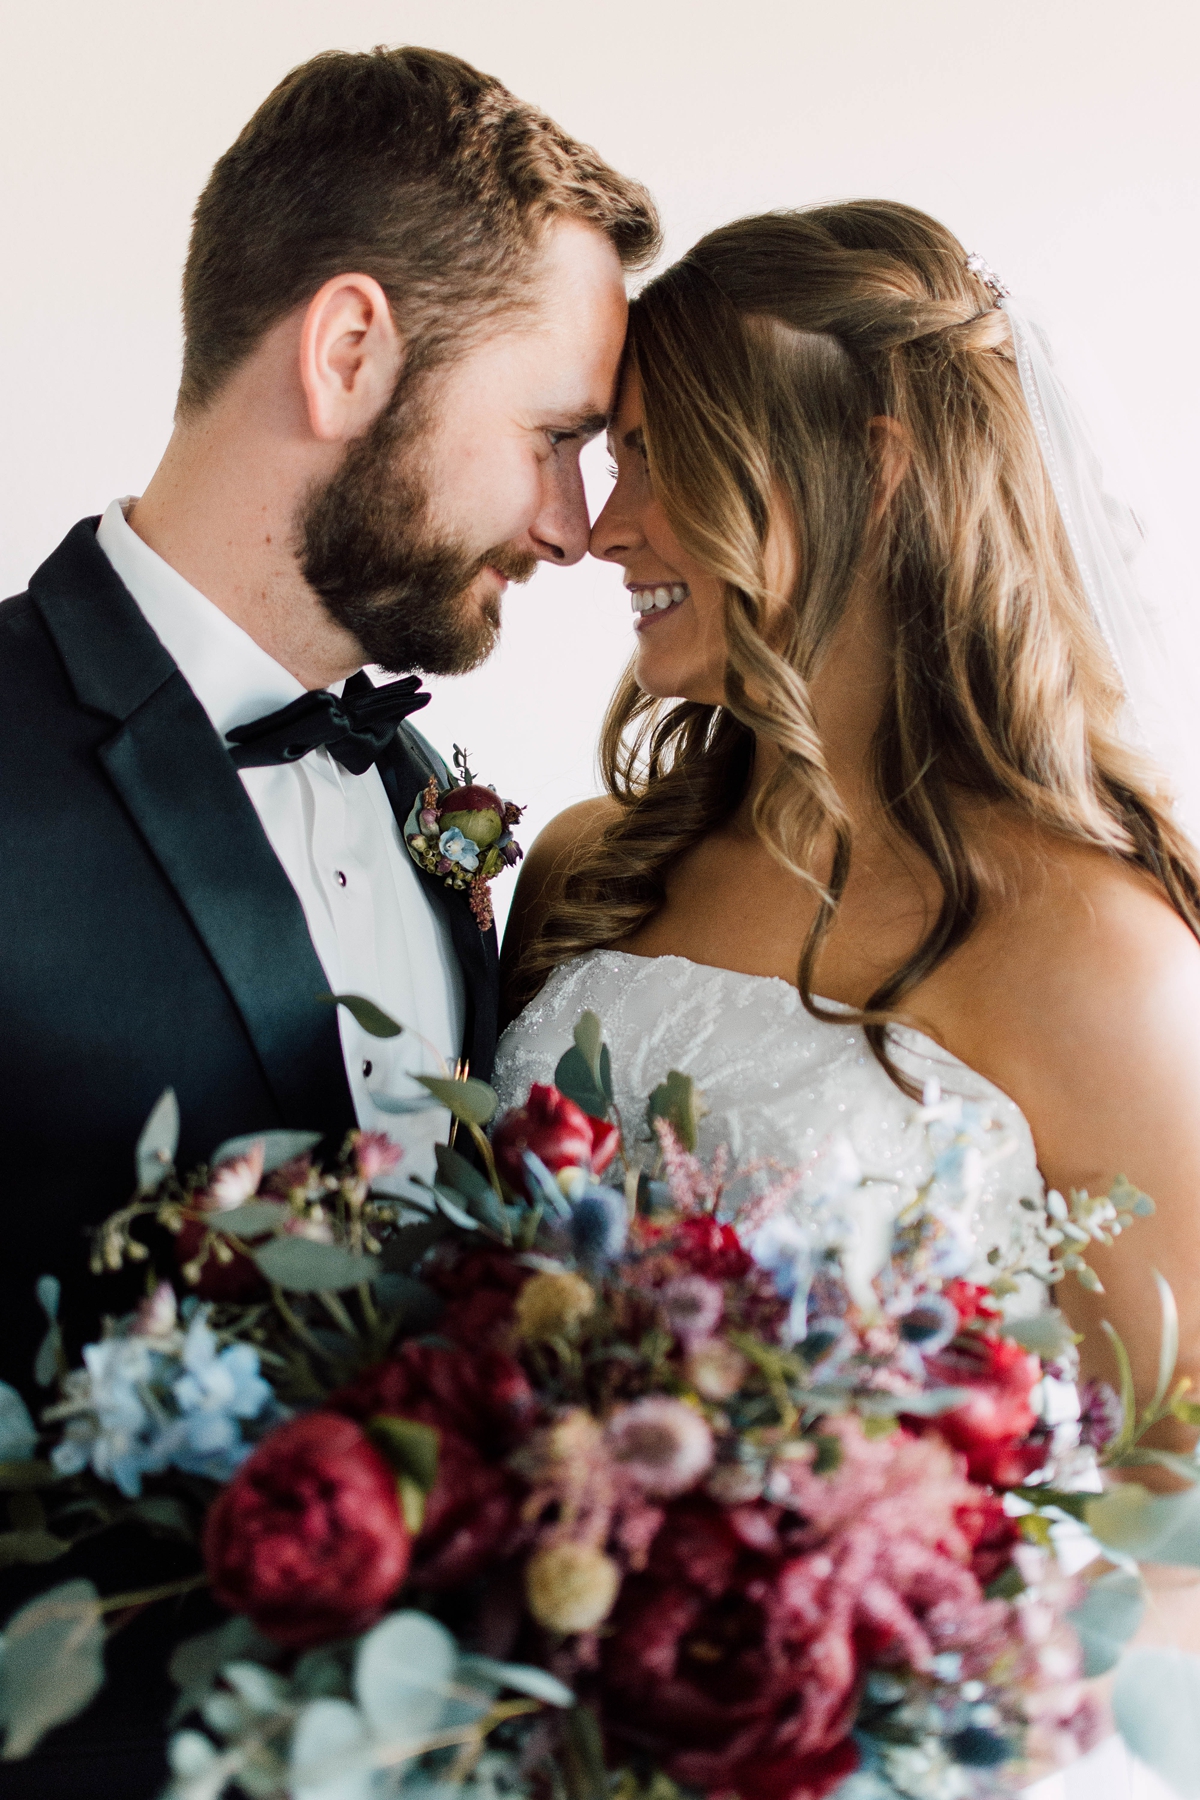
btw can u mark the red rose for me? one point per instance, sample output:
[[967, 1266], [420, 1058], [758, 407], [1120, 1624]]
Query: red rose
[[709, 1248], [557, 1131], [308, 1539], [973, 1304], [992, 1535], [992, 1427], [481, 1406]]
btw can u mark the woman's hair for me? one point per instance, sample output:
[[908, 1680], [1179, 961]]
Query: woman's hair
[[763, 356]]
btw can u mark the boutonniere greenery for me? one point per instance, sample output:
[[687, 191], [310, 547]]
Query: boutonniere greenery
[[463, 835]]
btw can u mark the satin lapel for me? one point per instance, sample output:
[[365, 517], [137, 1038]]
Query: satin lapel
[[177, 781], [404, 771]]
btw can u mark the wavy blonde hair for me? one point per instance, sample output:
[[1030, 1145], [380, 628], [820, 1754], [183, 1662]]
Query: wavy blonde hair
[[763, 356]]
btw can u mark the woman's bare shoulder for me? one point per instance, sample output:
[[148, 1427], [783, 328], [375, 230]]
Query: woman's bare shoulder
[[1080, 991]]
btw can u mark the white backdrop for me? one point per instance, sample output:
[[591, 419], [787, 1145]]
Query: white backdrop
[[1057, 137]]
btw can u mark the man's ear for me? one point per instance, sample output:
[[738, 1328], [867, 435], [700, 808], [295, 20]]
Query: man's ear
[[891, 453], [350, 357]]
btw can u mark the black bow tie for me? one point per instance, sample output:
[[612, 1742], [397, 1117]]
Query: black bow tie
[[356, 729]]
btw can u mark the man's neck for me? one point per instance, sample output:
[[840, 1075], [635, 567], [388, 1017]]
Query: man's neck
[[220, 510]]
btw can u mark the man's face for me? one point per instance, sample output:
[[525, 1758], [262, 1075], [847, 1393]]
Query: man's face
[[473, 481]]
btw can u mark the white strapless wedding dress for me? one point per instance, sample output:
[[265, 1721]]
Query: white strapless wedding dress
[[780, 1084]]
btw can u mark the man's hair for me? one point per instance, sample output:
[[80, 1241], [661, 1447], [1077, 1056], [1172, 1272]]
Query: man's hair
[[407, 165]]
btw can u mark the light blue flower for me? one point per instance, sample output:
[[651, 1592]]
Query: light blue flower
[[139, 1406], [460, 850]]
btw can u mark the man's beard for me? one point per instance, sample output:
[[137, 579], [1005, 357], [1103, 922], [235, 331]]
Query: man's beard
[[366, 548]]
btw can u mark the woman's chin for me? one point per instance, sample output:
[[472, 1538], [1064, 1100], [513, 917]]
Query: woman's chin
[[657, 677]]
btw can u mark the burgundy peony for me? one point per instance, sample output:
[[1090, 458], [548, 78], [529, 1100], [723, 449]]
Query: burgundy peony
[[992, 1427], [481, 1406], [711, 1249], [308, 1539], [557, 1131], [698, 1672]]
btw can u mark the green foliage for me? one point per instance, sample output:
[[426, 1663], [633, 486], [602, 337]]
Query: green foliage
[[373, 1020], [472, 1101], [1156, 1703], [1153, 1527], [677, 1100], [1109, 1615], [584, 1072], [18, 1433], [279, 1147], [154, 1158], [300, 1266], [52, 1664], [410, 1447], [51, 1359]]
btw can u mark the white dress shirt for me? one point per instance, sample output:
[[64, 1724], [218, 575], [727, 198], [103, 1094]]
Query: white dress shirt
[[372, 924]]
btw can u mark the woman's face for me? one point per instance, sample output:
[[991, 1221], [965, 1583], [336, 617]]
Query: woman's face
[[678, 607]]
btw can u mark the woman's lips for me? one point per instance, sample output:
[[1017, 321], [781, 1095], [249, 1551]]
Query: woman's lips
[[653, 600]]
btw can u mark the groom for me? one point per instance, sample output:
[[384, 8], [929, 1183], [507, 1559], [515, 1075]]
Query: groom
[[403, 308]]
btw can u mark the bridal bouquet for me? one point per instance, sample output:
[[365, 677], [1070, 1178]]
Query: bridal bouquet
[[595, 1470]]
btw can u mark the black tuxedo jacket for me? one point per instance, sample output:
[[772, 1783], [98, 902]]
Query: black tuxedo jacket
[[148, 937], [148, 934]]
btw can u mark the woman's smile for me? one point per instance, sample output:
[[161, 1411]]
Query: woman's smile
[[652, 600]]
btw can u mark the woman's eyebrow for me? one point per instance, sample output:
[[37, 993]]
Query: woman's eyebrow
[[634, 440]]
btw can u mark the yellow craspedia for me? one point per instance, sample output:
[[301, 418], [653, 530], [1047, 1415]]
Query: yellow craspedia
[[551, 1303], [571, 1587]]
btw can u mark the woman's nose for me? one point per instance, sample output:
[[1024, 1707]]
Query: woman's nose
[[615, 534]]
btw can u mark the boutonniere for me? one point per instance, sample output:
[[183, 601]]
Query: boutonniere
[[463, 835]]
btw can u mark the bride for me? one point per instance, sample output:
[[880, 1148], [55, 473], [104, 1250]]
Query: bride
[[871, 817]]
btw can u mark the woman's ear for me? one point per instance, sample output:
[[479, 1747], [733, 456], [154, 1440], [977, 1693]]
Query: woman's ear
[[350, 357], [891, 453]]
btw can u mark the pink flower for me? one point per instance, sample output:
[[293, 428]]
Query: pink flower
[[234, 1182], [662, 1443], [158, 1314], [693, 1306], [375, 1154]]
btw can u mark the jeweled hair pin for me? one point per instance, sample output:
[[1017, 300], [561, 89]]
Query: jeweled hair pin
[[988, 276]]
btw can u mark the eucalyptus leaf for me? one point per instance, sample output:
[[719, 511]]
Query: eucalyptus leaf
[[589, 1040], [544, 1185], [254, 1219], [50, 1361], [300, 1266], [520, 1677], [1046, 1334], [409, 1299], [678, 1101], [263, 1691], [195, 1662], [279, 1147], [1156, 1706], [457, 1173], [455, 1213], [1168, 1348], [468, 1099], [402, 1675], [154, 1157], [1109, 1615], [328, 1735], [1155, 1527], [574, 1078], [928, 1404], [18, 1433], [373, 1020], [52, 1664], [404, 1248], [389, 1103], [35, 1545]]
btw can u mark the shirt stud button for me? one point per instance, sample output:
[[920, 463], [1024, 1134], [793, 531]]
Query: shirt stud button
[[367, 1067], [339, 876]]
